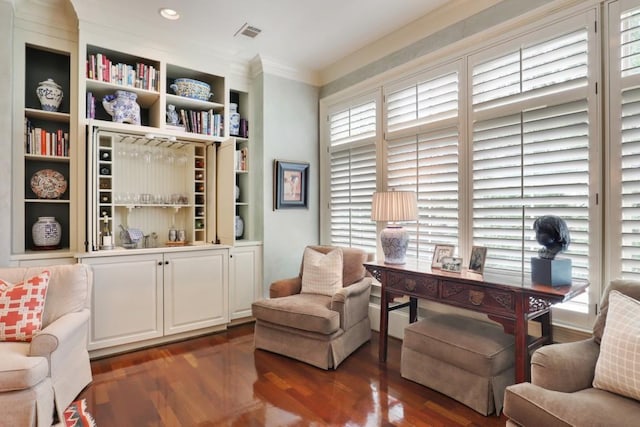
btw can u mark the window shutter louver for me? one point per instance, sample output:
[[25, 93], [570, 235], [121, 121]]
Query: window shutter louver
[[352, 157], [428, 164], [353, 182], [423, 102], [535, 161]]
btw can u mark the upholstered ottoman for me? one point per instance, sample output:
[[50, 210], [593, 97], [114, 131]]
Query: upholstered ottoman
[[469, 360]]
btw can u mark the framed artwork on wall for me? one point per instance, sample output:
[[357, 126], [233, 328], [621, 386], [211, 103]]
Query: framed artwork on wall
[[290, 184]]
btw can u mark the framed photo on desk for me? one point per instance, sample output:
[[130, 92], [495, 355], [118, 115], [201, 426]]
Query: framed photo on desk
[[439, 252], [477, 259]]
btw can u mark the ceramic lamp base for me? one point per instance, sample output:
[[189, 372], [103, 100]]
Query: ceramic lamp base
[[394, 240]]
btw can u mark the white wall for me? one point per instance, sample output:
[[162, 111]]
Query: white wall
[[290, 132]]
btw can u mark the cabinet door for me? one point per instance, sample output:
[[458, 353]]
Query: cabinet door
[[195, 293], [245, 285], [126, 299], [225, 193]]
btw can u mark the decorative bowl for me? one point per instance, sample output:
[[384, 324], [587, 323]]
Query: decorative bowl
[[190, 88], [48, 184]]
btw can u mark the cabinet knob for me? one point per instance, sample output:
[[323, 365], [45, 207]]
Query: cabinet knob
[[159, 262], [166, 262]]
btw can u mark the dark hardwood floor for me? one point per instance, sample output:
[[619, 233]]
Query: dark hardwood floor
[[219, 380]]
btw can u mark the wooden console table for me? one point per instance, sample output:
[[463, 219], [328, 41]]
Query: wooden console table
[[511, 301]]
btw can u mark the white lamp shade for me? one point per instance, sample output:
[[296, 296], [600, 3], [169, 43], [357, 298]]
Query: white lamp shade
[[394, 206]]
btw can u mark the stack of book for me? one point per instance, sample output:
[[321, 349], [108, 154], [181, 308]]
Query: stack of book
[[141, 76], [201, 122], [42, 142]]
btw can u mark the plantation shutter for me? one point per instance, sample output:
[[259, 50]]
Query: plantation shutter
[[625, 258], [352, 154], [422, 153], [428, 164], [531, 145]]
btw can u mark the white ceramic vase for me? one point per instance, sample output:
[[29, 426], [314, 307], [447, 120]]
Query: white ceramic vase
[[46, 232]]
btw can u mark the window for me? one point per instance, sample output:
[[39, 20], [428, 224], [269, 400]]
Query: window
[[352, 172], [490, 141], [531, 142], [422, 147], [624, 261]]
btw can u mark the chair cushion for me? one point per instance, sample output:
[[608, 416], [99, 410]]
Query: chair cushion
[[473, 345], [18, 370], [618, 365], [322, 273], [628, 287], [21, 307], [309, 312]]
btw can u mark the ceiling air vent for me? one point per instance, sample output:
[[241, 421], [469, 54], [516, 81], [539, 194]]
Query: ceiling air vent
[[248, 30]]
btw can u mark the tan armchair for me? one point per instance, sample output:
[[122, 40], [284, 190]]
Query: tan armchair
[[46, 374], [317, 329], [561, 391]]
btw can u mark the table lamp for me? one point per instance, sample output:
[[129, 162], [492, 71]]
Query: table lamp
[[394, 206]]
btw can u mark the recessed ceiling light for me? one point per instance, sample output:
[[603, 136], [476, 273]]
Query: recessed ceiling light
[[170, 14]]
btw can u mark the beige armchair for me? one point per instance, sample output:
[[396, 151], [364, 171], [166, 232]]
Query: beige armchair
[[321, 330], [561, 391], [46, 374]]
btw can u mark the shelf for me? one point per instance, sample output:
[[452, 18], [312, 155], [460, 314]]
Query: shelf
[[151, 132], [52, 116], [146, 98], [36, 157], [61, 201], [194, 104]]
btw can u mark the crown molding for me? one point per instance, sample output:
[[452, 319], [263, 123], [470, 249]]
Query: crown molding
[[261, 64]]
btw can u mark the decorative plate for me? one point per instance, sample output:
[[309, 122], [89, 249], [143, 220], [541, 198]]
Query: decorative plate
[[48, 184]]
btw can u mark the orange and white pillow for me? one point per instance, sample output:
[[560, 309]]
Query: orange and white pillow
[[618, 365], [321, 273], [21, 307]]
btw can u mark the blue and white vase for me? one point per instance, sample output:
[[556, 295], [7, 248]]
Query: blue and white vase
[[50, 95], [122, 107], [234, 119], [46, 232], [239, 226]]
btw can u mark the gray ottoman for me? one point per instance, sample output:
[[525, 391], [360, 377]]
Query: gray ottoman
[[468, 360]]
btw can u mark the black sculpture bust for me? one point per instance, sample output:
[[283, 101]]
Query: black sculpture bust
[[552, 233]]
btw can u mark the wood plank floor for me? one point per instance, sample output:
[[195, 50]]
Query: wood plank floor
[[219, 380]]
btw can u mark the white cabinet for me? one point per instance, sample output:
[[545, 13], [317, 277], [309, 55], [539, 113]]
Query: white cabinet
[[145, 296], [195, 295], [245, 284], [126, 299]]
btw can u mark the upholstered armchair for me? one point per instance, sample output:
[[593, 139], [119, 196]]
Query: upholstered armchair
[[320, 316], [45, 374], [569, 381]]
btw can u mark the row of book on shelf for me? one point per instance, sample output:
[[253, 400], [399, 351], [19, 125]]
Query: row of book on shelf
[[200, 122], [141, 76], [42, 142], [242, 159]]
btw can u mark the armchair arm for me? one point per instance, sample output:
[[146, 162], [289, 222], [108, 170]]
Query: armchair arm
[[566, 367], [352, 302], [62, 330], [285, 287]]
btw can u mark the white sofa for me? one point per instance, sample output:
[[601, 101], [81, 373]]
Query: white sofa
[[46, 374]]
